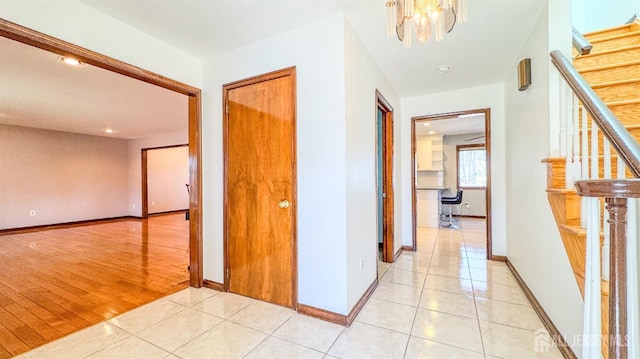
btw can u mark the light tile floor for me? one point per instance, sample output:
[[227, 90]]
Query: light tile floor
[[442, 301]]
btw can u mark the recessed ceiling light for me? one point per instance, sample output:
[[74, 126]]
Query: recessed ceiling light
[[443, 69], [426, 124], [70, 61], [108, 130], [431, 132]]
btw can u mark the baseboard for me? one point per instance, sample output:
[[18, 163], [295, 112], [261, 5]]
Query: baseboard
[[363, 300], [88, 222], [213, 285], [322, 314], [563, 346], [397, 254], [408, 248], [167, 213], [340, 319], [499, 258]]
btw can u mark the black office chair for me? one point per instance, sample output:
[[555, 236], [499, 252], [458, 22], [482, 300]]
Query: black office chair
[[451, 201]]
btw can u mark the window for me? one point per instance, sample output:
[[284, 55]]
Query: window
[[472, 166]]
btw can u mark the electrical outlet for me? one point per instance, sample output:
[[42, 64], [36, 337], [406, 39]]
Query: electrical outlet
[[361, 264], [32, 213], [133, 206], [466, 204], [153, 203]]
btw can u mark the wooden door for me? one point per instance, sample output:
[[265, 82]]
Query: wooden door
[[260, 243]]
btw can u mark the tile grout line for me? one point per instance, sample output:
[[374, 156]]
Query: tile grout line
[[475, 304], [415, 315]]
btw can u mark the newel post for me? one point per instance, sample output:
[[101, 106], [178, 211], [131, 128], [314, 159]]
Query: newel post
[[615, 193], [617, 208]]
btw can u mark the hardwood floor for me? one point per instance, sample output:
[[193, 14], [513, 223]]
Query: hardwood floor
[[55, 282]]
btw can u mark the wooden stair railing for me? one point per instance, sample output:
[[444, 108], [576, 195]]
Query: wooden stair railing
[[624, 144], [591, 138], [615, 193]]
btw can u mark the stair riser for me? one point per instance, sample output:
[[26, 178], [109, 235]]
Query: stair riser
[[566, 207], [556, 174], [627, 114], [635, 132], [607, 33], [621, 92], [615, 43], [612, 74], [606, 59]]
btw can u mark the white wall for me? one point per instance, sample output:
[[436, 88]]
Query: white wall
[[135, 164], [317, 51], [363, 77], [534, 244], [475, 197], [490, 96], [167, 174], [592, 15], [64, 177]]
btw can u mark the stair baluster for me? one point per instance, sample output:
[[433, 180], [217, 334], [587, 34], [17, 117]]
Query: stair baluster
[[587, 134]]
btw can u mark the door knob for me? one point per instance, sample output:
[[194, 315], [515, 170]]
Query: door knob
[[283, 204]]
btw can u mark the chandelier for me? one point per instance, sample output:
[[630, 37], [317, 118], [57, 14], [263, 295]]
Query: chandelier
[[427, 16]]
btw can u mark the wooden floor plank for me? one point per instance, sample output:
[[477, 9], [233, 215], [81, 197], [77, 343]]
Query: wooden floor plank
[[58, 281]]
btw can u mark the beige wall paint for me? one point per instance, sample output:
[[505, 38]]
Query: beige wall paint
[[64, 177], [167, 174], [135, 164]]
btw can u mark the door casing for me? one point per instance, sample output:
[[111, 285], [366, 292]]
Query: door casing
[[487, 129], [388, 252], [63, 48], [145, 176]]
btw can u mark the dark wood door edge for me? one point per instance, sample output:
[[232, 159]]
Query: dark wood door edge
[[145, 185], [553, 331], [387, 176]]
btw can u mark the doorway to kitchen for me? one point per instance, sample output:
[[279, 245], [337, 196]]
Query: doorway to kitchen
[[442, 146]]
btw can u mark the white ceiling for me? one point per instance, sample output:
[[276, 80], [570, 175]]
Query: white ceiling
[[480, 51], [451, 126], [40, 92]]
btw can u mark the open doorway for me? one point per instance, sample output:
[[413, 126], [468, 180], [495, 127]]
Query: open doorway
[[76, 261], [165, 180], [451, 152]]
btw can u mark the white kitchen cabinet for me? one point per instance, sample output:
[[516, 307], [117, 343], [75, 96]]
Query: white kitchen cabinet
[[429, 153], [423, 155]]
